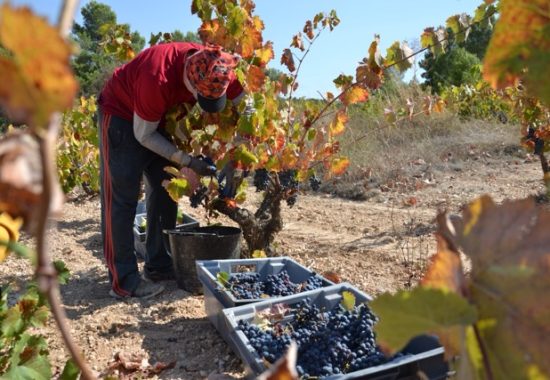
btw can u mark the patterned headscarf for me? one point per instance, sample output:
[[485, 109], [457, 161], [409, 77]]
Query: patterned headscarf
[[209, 71]]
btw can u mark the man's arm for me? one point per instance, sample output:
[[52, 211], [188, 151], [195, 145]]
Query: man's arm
[[147, 135]]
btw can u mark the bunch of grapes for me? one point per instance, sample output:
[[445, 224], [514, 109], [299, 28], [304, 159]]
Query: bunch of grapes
[[198, 195], [249, 286], [314, 183], [329, 343], [261, 179], [290, 184]]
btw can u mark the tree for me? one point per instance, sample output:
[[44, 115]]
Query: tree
[[464, 57], [456, 67], [178, 36], [93, 65]]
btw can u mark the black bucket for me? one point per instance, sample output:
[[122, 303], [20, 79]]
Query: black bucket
[[200, 243]]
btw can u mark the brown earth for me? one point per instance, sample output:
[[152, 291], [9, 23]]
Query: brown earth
[[379, 244]]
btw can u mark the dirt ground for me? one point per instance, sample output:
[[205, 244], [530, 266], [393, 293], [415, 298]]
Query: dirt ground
[[379, 244]]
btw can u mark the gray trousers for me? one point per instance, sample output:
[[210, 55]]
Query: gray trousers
[[124, 162]]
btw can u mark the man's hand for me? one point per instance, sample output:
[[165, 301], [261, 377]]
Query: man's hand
[[203, 166], [233, 178]]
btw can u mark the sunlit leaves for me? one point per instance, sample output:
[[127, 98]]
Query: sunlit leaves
[[435, 39], [407, 314], [399, 55], [445, 270], [348, 300], [460, 26], [177, 188], [354, 95], [36, 79], [255, 78], [520, 47], [339, 165], [338, 124], [264, 54]]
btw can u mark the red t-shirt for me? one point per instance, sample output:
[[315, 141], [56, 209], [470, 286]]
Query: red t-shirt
[[152, 83]]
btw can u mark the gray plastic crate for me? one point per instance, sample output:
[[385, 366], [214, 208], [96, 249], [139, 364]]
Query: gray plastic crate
[[217, 298], [423, 353], [140, 237]]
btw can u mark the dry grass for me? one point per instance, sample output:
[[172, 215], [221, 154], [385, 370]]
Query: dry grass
[[381, 153]]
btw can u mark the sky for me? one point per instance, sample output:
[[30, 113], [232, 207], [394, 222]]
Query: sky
[[334, 53]]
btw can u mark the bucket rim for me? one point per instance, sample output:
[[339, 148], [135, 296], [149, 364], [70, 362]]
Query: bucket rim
[[203, 231]]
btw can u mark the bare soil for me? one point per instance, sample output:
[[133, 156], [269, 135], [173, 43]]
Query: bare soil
[[379, 244]]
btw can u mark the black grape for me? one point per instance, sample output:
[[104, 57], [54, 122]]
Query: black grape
[[331, 342]]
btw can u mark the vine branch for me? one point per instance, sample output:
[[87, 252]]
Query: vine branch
[[45, 272]]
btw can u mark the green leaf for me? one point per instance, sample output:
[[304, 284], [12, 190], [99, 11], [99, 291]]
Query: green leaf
[[4, 291], [63, 273], [70, 371], [348, 300], [243, 155], [223, 278], [177, 188], [407, 314], [397, 55], [37, 368], [40, 316], [13, 323], [29, 359]]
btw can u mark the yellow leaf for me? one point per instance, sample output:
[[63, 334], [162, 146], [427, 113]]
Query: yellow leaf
[[338, 124], [265, 54], [348, 300], [35, 79], [9, 231], [355, 94], [339, 165], [445, 270], [259, 254]]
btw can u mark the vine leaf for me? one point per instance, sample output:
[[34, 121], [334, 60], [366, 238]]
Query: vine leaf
[[521, 40], [348, 300], [509, 247], [407, 314], [285, 367], [399, 55], [177, 188], [288, 60], [338, 124], [445, 271], [264, 54], [35, 77], [70, 371], [338, 165], [9, 232], [259, 254], [255, 78], [21, 179], [223, 278], [354, 95], [29, 359]]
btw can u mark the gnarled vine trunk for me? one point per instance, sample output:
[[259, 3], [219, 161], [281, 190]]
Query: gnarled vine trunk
[[259, 228]]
